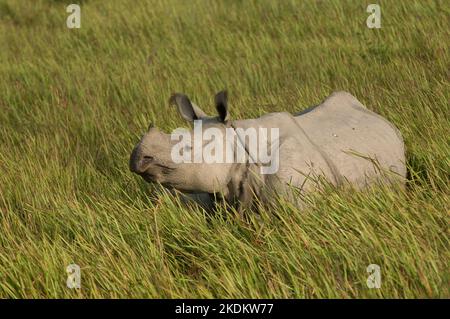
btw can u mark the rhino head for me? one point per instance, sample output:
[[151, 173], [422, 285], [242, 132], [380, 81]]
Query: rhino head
[[152, 158]]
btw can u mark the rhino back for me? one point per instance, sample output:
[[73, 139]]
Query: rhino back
[[354, 138]]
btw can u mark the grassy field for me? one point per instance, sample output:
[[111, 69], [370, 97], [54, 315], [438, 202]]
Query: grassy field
[[73, 103]]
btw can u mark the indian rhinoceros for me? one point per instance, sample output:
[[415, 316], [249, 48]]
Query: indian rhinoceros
[[339, 141]]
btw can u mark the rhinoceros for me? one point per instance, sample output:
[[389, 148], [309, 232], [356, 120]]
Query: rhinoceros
[[338, 141]]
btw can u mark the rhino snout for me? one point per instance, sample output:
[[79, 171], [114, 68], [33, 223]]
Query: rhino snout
[[139, 162]]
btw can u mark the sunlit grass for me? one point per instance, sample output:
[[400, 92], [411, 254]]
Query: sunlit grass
[[74, 102]]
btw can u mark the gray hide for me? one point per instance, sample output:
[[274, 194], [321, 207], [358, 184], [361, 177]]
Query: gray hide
[[338, 140]]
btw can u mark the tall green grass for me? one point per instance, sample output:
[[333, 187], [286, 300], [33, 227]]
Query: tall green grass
[[74, 102]]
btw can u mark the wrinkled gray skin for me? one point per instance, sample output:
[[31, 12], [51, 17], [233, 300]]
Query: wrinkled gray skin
[[338, 139]]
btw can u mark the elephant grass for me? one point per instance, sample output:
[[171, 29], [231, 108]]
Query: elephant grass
[[74, 102]]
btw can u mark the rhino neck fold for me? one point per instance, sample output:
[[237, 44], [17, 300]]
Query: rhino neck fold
[[244, 184], [242, 144], [245, 180]]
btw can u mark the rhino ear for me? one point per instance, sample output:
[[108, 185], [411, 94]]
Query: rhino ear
[[189, 111], [221, 101]]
